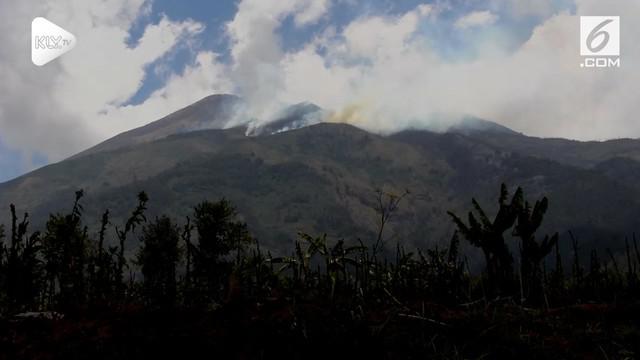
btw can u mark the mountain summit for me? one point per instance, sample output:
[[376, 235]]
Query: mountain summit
[[212, 112]]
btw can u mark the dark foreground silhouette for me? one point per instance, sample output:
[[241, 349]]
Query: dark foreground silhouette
[[206, 289]]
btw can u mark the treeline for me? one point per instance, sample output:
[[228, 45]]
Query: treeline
[[211, 260], [65, 269]]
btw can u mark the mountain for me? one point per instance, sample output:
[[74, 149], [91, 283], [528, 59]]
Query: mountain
[[584, 154], [323, 177], [212, 112], [471, 126]]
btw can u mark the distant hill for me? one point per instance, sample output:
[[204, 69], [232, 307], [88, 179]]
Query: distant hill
[[323, 177]]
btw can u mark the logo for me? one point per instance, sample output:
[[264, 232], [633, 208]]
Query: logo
[[600, 41], [49, 41]]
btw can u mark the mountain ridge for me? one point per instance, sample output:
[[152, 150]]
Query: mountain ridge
[[210, 112], [323, 178]]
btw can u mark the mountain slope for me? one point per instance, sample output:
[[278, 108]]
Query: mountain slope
[[323, 178], [585, 154], [212, 112]]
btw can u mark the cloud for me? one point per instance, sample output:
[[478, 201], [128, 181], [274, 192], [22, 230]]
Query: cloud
[[257, 51], [113, 59], [205, 77], [31, 120], [381, 36], [67, 105], [311, 12], [475, 19]]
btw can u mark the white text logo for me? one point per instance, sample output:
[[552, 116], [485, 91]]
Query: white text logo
[[49, 41], [600, 41]]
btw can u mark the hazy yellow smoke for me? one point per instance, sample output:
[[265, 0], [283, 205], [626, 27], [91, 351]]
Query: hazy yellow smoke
[[352, 114]]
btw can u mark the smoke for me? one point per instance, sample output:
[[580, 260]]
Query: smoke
[[385, 73], [257, 54]]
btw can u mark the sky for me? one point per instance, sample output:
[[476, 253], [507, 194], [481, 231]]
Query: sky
[[383, 65]]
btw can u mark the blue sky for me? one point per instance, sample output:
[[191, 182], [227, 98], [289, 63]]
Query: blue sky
[[9, 163], [13, 162]]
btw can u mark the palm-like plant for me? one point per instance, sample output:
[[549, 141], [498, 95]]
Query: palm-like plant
[[336, 259], [532, 252], [488, 235]]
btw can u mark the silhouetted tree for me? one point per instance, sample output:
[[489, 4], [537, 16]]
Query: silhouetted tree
[[219, 233], [65, 253], [190, 251], [158, 257], [136, 218], [22, 267], [3, 270], [386, 206], [103, 267]]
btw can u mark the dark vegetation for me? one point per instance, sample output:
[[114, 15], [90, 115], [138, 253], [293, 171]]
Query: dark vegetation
[[204, 286]]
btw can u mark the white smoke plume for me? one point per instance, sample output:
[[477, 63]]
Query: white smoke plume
[[384, 74]]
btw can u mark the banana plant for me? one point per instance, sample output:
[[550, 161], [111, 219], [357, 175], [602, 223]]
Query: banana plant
[[336, 258], [488, 235], [532, 252]]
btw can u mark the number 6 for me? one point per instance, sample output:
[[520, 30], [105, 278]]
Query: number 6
[[597, 32]]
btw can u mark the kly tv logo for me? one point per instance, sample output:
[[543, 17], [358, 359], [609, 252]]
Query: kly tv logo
[[49, 41], [600, 41]]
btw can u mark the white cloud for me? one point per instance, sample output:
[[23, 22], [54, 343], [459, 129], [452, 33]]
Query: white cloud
[[30, 118], [103, 56], [68, 105], [257, 51], [207, 76], [312, 12], [375, 36], [475, 19]]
